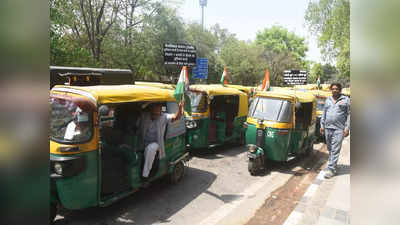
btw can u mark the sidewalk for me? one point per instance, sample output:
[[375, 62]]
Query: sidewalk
[[326, 201]]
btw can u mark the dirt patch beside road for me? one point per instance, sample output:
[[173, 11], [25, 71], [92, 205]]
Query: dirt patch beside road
[[278, 207]]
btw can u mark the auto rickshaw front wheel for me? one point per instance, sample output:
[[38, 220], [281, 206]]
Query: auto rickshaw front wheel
[[177, 173], [53, 213], [252, 167]]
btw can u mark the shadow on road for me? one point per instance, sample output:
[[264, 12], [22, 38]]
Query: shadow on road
[[154, 204], [218, 152], [302, 161]]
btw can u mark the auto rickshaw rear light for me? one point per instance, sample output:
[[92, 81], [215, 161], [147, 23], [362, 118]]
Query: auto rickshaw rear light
[[58, 168], [283, 132], [69, 149]]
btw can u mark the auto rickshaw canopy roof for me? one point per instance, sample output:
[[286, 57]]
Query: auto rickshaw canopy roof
[[104, 94], [321, 93], [306, 86], [215, 89], [346, 91], [156, 84], [246, 89], [290, 95]]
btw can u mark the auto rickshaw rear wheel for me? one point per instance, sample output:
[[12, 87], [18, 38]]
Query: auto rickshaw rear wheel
[[53, 213], [177, 173]]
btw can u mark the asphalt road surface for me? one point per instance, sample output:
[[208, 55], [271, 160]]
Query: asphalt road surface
[[216, 189]]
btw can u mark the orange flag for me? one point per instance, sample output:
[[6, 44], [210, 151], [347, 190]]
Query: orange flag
[[265, 86]]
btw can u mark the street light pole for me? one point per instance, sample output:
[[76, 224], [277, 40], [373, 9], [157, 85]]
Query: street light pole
[[203, 3]]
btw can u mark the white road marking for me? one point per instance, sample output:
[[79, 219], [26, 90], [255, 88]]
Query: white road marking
[[227, 208], [311, 190], [293, 218]]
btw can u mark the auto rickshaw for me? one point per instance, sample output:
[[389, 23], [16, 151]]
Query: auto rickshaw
[[321, 97], [218, 116], [246, 89], [306, 87], [156, 84], [280, 126], [346, 91], [96, 153]]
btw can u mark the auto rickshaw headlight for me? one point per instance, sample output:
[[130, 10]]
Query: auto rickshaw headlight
[[252, 148], [58, 168], [190, 124]]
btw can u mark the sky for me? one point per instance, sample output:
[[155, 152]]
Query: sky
[[246, 18]]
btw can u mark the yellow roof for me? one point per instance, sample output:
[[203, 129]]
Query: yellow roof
[[155, 84], [306, 86], [346, 91], [321, 93], [326, 87], [246, 89], [290, 95], [215, 89], [102, 94]]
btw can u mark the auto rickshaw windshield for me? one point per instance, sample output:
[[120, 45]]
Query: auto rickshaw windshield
[[198, 101], [69, 123], [271, 109]]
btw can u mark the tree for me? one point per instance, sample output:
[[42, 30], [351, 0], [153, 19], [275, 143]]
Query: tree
[[283, 50], [329, 20], [243, 61]]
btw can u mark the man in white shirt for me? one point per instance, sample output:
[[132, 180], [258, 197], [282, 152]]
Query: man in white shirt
[[152, 125]]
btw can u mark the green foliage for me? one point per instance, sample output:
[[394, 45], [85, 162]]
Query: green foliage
[[277, 39], [134, 39], [326, 72], [282, 50], [329, 20]]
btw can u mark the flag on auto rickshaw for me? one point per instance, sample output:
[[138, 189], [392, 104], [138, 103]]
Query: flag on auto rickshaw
[[318, 83], [181, 88], [266, 84], [224, 77]]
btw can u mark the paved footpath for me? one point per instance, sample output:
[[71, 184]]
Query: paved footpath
[[326, 201]]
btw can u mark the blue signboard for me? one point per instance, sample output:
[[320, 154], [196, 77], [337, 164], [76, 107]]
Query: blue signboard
[[201, 70]]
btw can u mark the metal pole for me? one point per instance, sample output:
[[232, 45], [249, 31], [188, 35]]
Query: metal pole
[[202, 17]]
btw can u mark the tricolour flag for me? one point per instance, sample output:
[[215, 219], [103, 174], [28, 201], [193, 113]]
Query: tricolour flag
[[265, 86], [224, 78], [181, 88]]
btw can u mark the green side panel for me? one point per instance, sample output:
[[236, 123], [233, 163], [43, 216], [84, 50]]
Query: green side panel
[[221, 127], [80, 191], [198, 138], [297, 141], [276, 145], [174, 148], [135, 171], [251, 133]]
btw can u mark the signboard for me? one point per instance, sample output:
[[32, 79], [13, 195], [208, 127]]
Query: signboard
[[179, 54], [295, 77], [201, 70]]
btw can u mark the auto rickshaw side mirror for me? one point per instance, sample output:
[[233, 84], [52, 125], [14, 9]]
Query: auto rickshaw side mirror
[[297, 105], [210, 98], [105, 118]]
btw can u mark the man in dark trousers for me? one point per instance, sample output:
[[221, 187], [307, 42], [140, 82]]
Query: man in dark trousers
[[335, 124]]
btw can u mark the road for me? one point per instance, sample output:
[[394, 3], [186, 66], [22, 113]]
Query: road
[[216, 189]]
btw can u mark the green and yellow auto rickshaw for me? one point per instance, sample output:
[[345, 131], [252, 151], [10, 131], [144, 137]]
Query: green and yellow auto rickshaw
[[96, 153], [218, 116], [280, 126], [321, 97], [346, 91]]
